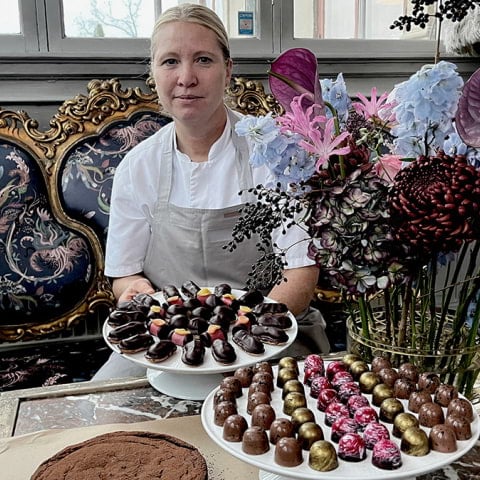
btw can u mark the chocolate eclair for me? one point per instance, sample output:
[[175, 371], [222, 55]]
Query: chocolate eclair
[[136, 343], [275, 320], [270, 335], [120, 317], [222, 289], [251, 298], [190, 289], [193, 352], [170, 291], [125, 331], [223, 352], [270, 307], [144, 301], [248, 342], [160, 351]]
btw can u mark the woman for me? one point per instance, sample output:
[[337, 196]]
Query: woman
[[175, 196]]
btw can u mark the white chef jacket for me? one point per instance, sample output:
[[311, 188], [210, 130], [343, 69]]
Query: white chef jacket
[[213, 184]]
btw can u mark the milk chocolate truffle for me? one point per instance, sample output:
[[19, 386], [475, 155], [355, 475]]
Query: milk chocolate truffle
[[292, 401], [388, 376], [402, 422], [281, 427], [264, 377], [285, 374], [408, 371], [442, 439], [288, 452], [428, 381], [389, 409], [317, 384], [357, 368], [259, 387], [233, 428], [245, 375], [378, 363], [263, 367], [309, 433], [224, 395], [232, 383], [257, 398], [351, 447], [255, 441], [461, 407], [293, 385], [322, 456], [380, 392], [222, 411], [444, 394], [301, 415], [461, 426], [430, 414], [403, 387], [374, 432], [417, 399], [415, 442], [263, 415], [368, 381], [386, 455]]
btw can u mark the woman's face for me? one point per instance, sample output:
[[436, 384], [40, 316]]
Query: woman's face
[[190, 72]]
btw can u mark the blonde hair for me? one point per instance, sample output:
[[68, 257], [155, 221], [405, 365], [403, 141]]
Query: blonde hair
[[190, 12]]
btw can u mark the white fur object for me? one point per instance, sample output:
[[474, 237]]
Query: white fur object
[[463, 37]]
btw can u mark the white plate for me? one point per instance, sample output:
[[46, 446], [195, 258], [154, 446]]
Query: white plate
[[175, 364], [363, 470]]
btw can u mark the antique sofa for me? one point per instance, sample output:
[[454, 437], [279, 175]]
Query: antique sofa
[[55, 187]]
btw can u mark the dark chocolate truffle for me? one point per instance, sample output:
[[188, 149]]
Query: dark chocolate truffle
[[255, 441], [442, 439], [233, 428]]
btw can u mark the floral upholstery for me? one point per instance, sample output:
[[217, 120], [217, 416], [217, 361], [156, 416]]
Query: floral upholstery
[[87, 171], [44, 266]]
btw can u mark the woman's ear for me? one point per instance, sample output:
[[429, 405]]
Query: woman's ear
[[229, 66]]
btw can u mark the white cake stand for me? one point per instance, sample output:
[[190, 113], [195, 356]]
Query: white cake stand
[[175, 378]]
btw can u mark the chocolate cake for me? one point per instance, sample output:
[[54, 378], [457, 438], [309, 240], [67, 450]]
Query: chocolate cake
[[126, 455]]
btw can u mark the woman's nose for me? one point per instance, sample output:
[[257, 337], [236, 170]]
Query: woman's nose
[[186, 75]]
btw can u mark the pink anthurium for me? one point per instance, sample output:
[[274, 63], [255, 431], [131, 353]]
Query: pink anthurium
[[467, 119], [293, 73]]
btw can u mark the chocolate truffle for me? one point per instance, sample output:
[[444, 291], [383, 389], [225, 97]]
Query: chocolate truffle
[[389, 409], [442, 439], [368, 381], [264, 377], [222, 411], [334, 367], [255, 441], [309, 433], [233, 428], [288, 452], [314, 363], [365, 415], [461, 426], [325, 397], [357, 368], [342, 426], [257, 398], [386, 455], [357, 401], [340, 378], [285, 374], [408, 371], [224, 395], [293, 385], [374, 432], [403, 387], [263, 367], [335, 410], [417, 399], [388, 376], [281, 427], [351, 447], [346, 390], [292, 401], [415, 442], [378, 363], [380, 392], [245, 375], [301, 415], [428, 381], [288, 362], [402, 422], [444, 394], [322, 456], [232, 383], [461, 407], [263, 415], [259, 387], [430, 414], [319, 383], [350, 358]]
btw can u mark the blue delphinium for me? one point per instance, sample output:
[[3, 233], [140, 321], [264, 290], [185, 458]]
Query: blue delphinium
[[335, 93], [425, 106]]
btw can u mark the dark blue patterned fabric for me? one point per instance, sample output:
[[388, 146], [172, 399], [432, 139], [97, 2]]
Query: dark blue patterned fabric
[[45, 268], [87, 171]]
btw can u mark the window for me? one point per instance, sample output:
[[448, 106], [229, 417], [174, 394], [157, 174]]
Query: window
[[257, 28]]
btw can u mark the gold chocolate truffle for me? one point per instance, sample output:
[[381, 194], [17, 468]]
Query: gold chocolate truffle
[[293, 385], [350, 358], [308, 433], [302, 415], [285, 374], [357, 368], [368, 381], [415, 442], [288, 362], [322, 456], [402, 422], [380, 392], [292, 401], [389, 409]]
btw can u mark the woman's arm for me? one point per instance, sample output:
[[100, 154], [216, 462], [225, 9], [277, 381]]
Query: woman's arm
[[298, 291], [125, 288]]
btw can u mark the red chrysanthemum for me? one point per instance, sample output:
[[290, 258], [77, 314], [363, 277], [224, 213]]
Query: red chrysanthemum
[[435, 204]]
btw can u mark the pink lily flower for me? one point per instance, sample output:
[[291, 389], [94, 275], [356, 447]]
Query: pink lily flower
[[371, 108]]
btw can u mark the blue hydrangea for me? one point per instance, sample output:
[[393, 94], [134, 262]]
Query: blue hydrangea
[[335, 93]]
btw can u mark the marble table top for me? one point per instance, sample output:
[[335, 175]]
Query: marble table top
[[132, 400]]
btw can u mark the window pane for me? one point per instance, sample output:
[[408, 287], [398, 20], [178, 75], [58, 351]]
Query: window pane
[[108, 18], [10, 17], [353, 19]]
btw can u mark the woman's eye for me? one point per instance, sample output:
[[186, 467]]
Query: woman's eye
[[169, 61], [204, 60]]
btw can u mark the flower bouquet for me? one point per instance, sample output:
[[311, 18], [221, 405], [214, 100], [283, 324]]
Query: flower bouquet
[[388, 190]]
